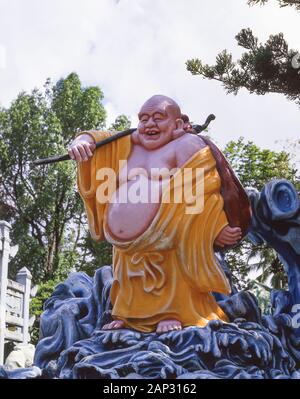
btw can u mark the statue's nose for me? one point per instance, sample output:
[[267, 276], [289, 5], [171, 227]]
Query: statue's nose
[[150, 122]]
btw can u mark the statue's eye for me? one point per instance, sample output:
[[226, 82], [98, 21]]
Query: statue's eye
[[158, 118]]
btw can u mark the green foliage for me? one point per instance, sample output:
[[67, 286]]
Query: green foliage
[[77, 108], [96, 254], [255, 167], [41, 202], [122, 122], [36, 306], [282, 3], [263, 68], [262, 294]]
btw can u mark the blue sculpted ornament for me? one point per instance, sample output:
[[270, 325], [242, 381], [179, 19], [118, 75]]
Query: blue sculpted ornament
[[251, 345]]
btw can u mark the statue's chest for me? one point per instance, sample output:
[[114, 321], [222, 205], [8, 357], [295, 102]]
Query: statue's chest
[[149, 163]]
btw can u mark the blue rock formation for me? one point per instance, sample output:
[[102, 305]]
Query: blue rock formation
[[252, 345], [276, 221]]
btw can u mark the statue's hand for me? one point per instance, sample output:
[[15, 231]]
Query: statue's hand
[[82, 148], [228, 236]]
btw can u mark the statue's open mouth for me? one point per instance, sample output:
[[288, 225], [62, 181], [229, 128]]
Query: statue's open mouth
[[152, 135]]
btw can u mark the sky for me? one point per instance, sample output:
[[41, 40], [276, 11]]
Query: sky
[[133, 49]]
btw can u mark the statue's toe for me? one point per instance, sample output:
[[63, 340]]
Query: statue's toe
[[114, 325], [168, 325]]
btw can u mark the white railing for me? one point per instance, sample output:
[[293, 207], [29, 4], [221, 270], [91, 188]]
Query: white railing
[[14, 297]]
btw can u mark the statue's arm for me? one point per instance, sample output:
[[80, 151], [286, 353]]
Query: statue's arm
[[186, 146]]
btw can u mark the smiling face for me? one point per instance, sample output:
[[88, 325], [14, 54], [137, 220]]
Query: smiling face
[[159, 122]]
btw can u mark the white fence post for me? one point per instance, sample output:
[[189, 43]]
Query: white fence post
[[4, 255], [24, 277]]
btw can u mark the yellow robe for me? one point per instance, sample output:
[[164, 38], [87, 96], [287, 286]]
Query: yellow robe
[[169, 271]]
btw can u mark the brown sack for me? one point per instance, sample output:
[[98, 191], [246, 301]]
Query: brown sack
[[236, 202]]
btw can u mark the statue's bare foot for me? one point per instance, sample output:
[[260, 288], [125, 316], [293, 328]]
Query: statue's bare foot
[[168, 325], [114, 325]]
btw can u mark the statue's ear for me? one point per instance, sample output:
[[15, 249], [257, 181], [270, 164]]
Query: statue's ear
[[179, 124], [179, 130]]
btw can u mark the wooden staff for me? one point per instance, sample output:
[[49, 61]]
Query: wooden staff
[[58, 158]]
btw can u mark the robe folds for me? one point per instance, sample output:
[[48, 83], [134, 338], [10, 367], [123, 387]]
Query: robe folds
[[170, 270]]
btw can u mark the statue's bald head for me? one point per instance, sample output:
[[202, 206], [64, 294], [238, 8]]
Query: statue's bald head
[[159, 123], [164, 102]]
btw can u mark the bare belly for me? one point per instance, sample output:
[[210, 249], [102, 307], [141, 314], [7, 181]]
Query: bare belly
[[133, 210]]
